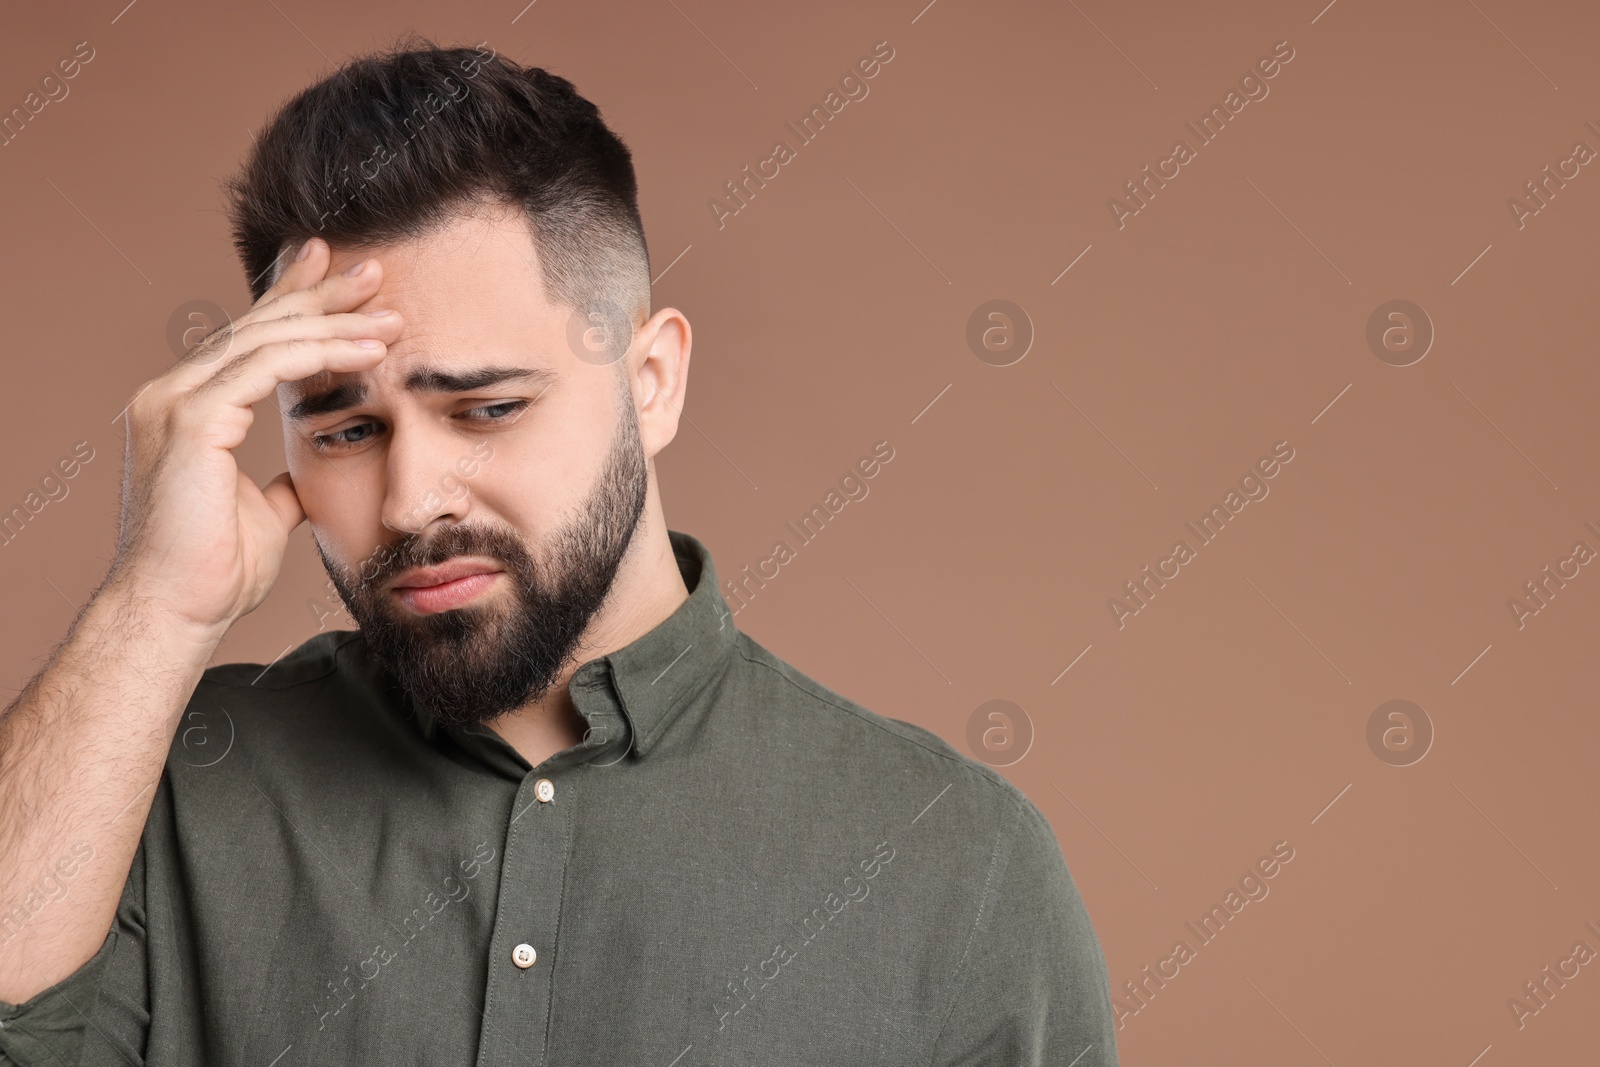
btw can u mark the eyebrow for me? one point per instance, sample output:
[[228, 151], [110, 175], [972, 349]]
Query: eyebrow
[[348, 394]]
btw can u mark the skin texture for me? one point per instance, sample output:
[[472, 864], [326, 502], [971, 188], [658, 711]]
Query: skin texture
[[469, 296]]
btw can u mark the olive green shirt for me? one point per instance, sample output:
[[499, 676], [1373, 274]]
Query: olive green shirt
[[737, 866]]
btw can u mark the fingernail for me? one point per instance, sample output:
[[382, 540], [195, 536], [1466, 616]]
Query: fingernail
[[305, 250], [380, 313], [354, 269], [367, 342]]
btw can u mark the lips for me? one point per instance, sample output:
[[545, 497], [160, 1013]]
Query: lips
[[451, 571], [451, 585]]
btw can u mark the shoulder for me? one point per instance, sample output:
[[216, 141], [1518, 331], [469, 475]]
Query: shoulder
[[313, 660], [848, 744], [322, 698], [986, 861]]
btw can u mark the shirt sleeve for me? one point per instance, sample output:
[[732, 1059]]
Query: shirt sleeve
[[98, 1011], [1032, 986]]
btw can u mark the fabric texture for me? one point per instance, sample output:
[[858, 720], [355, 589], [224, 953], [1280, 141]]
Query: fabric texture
[[737, 866]]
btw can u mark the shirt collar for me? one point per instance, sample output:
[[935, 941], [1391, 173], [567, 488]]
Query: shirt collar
[[654, 676]]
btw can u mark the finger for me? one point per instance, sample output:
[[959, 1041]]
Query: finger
[[252, 377], [338, 291], [383, 324], [306, 266], [331, 294], [284, 501]]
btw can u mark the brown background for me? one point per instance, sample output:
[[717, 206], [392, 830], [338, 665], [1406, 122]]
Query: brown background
[[1232, 711]]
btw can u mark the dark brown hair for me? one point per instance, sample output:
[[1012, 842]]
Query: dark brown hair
[[396, 143]]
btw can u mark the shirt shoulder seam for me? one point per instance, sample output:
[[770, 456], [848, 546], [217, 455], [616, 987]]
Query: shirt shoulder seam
[[966, 950], [1018, 800], [333, 665]]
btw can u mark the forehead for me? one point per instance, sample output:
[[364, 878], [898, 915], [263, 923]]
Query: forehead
[[469, 293]]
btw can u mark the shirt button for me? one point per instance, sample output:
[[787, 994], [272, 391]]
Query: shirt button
[[544, 790], [523, 956]]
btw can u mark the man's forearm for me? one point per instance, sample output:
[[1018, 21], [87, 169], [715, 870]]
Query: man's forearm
[[81, 751]]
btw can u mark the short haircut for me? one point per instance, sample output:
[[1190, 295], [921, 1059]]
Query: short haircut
[[397, 143]]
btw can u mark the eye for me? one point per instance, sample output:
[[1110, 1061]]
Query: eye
[[505, 408], [351, 435]]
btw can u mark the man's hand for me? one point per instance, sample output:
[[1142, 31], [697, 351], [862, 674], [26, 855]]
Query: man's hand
[[198, 539]]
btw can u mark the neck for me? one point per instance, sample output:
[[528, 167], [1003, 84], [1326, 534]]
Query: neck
[[647, 589]]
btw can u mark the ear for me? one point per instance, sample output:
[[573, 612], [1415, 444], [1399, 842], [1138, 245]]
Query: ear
[[659, 377]]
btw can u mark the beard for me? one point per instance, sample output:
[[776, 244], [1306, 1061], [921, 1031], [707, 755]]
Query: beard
[[474, 663]]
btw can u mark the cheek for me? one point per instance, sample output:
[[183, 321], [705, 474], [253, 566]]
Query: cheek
[[326, 498], [543, 476], [342, 510], [533, 484]]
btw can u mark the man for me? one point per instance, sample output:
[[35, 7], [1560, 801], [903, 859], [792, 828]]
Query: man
[[547, 805]]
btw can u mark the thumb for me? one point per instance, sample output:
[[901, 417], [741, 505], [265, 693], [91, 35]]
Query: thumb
[[283, 500]]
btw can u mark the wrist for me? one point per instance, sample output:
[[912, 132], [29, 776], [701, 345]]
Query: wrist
[[127, 603]]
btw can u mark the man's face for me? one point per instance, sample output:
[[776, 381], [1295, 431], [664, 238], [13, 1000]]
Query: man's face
[[472, 530]]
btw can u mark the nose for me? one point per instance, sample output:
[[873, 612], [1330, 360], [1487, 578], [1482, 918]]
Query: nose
[[423, 487]]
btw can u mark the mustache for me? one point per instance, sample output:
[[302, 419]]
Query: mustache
[[387, 561]]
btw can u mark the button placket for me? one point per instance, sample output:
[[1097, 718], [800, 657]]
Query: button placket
[[527, 925]]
